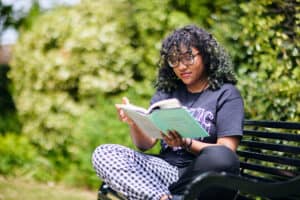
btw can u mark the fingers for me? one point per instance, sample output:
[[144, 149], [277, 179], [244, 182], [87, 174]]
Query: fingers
[[170, 135], [173, 139], [121, 114], [174, 135]]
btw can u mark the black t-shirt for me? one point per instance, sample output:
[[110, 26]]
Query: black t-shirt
[[220, 112]]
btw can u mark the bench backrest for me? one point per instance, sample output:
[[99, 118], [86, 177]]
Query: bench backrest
[[269, 150]]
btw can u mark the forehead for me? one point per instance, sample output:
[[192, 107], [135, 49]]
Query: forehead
[[182, 49]]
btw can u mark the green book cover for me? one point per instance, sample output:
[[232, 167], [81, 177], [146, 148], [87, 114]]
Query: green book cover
[[178, 119]]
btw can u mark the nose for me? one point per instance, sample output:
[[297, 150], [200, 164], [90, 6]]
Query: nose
[[181, 66]]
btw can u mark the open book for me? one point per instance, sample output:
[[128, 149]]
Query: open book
[[163, 116]]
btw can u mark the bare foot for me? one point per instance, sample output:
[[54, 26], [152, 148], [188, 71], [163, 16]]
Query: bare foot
[[166, 197]]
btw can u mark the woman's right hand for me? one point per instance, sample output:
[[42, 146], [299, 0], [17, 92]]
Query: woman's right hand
[[121, 114], [140, 139]]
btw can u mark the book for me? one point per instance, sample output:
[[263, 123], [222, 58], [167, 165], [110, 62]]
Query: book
[[162, 116]]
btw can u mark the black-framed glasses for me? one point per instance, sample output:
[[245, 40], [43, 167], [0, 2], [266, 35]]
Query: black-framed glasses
[[186, 59]]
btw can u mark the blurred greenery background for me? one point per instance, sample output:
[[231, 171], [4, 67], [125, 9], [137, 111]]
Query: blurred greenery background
[[71, 64]]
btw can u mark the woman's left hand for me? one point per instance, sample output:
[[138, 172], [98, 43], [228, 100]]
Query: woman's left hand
[[173, 139]]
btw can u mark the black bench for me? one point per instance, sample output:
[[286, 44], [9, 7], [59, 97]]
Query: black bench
[[270, 166]]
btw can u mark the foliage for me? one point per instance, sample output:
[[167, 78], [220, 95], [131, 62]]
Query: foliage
[[15, 152], [19, 157], [6, 102], [73, 57], [8, 117], [269, 68], [9, 122]]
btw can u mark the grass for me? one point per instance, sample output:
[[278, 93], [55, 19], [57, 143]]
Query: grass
[[15, 188]]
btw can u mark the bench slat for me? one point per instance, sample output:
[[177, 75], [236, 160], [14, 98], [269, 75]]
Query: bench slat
[[273, 124], [268, 170], [262, 179], [275, 147], [273, 135], [270, 158]]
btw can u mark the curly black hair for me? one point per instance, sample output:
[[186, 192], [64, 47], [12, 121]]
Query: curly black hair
[[217, 63]]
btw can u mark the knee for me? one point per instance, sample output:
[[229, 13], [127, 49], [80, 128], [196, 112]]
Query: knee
[[219, 158], [102, 153], [99, 154]]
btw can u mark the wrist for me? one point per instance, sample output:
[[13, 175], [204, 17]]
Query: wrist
[[188, 144], [131, 123]]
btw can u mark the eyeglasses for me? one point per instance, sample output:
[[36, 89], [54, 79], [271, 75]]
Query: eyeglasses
[[186, 59]]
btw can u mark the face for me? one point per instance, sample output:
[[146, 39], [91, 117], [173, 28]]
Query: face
[[189, 68]]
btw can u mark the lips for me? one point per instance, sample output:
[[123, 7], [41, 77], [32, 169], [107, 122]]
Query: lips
[[185, 75]]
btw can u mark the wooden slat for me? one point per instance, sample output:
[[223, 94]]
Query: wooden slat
[[275, 147], [270, 158]]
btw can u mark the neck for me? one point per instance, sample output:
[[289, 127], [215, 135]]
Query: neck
[[199, 87]]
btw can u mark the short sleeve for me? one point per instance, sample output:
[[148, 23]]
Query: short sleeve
[[230, 113]]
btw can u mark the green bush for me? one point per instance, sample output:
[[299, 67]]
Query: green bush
[[66, 58], [8, 116], [17, 154], [270, 66], [19, 157]]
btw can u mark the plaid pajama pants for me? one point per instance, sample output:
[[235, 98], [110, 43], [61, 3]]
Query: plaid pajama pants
[[136, 175]]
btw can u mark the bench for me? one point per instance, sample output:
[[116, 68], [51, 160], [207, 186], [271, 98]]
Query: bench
[[269, 166]]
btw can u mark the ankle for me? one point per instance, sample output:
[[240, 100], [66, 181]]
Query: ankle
[[166, 197]]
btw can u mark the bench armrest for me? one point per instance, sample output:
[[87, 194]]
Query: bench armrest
[[289, 188]]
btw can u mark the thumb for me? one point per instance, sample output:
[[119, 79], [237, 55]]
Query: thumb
[[125, 100]]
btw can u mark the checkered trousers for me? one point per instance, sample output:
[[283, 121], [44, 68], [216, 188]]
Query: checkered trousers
[[136, 175]]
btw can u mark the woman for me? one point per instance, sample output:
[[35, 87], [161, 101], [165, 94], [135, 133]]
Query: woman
[[195, 69]]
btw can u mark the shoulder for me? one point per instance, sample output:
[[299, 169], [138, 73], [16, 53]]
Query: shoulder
[[229, 87], [160, 95], [227, 93], [229, 90]]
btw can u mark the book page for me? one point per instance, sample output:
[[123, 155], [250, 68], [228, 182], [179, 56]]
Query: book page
[[164, 104], [144, 123], [132, 107]]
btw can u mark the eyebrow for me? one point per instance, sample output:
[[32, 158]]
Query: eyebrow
[[179, 53]]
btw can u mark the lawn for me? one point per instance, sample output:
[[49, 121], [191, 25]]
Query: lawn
[[13, 189]]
